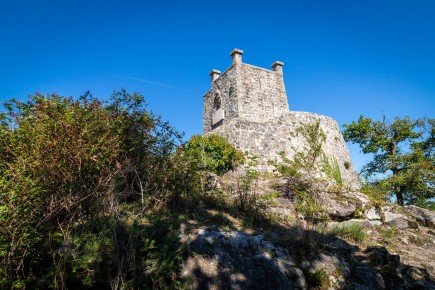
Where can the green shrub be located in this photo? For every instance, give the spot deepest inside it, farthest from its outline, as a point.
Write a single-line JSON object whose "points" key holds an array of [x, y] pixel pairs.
{"points": [[306, 204], [213, 153], [247, 199], [388, 232], [301, 171]]}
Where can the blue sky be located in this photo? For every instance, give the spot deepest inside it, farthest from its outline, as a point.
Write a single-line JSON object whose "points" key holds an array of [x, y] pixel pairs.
{"points": [[342, 58]]}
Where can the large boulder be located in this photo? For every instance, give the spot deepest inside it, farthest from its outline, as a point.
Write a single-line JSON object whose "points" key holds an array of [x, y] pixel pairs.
{"points": [[423, 216], [337, 205], [398, 220]]}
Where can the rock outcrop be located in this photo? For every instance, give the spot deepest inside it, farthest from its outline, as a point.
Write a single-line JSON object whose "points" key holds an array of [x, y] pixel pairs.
{"points": [[293, 253]]}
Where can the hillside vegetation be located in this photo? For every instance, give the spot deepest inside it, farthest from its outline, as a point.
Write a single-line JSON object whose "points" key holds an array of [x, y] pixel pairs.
{"points": [[104, 195]]}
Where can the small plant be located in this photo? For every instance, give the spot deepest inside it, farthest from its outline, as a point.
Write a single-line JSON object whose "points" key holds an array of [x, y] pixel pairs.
{"points": [[359, 213], [318, 277], [226, 229], [388, 232], [247, 198], [331, 169], [346, 164], [306, 204], [352, 232], [231, 90]]}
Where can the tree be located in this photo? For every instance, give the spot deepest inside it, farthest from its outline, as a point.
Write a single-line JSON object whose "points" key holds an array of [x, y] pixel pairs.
{"points": [[403, 155]]}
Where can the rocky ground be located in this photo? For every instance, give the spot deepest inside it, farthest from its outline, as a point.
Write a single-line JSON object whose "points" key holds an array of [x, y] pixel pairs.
{"points": [[391, 247]]}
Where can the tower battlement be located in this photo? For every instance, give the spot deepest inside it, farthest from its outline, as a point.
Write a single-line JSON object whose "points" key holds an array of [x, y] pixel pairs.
{"points": [[244, 91]]}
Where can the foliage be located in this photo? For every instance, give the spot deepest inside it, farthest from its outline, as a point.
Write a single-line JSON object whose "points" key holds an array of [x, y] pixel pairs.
{"points": [[247, 199], [377, 196], [213, 153], [331, 169], [77, 179], [403, 155], [307, 205], [306, 160], [388, 232], [300, 171], [353, 232], [318, 277]]}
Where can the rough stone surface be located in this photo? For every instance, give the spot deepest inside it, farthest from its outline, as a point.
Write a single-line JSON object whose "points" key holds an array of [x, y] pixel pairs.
{"points": [[235, 260], [257, 118], [397, 220], [423, 216], [373, 216], [363, 199], [336, 207]]}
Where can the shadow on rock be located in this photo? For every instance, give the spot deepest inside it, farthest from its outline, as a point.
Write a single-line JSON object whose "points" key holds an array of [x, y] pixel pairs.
{"points": [[293, 257]]}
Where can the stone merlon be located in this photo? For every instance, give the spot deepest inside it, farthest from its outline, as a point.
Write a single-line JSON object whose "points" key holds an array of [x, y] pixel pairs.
{"points": [[214, 74], [236, 54], [277, 66]]}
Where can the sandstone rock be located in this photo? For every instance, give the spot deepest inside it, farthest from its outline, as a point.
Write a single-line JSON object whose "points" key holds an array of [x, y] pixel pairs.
{"points": [[283, 212], [373, 216], [423, 216], [368, 278], [334, 266], [235, 172], [397, 220], [361, 197], [336, 209], [212, 181]]}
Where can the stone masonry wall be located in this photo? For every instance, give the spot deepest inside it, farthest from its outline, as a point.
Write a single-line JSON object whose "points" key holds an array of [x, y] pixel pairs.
{"points": [[262, 94], [267, 139], [227, 89]]}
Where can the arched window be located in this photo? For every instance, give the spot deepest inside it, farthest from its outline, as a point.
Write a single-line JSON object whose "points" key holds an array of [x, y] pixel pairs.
{"points": [[217, 102]]}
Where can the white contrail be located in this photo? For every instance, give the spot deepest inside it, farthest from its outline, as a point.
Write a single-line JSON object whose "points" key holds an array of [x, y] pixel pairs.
{"points": [[149, 82]]}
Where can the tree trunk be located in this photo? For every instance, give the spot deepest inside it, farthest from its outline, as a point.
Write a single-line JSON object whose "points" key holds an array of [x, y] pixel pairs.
{"points": [[399, 196]]}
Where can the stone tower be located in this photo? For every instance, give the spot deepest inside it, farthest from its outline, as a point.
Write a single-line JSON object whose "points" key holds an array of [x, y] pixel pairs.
{"points": [[248, 106], [246, 92]]}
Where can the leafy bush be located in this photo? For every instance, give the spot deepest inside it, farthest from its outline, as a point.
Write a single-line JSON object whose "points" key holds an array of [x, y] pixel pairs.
{"points": [[302, 171], [77, 179], [213, 153]]}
